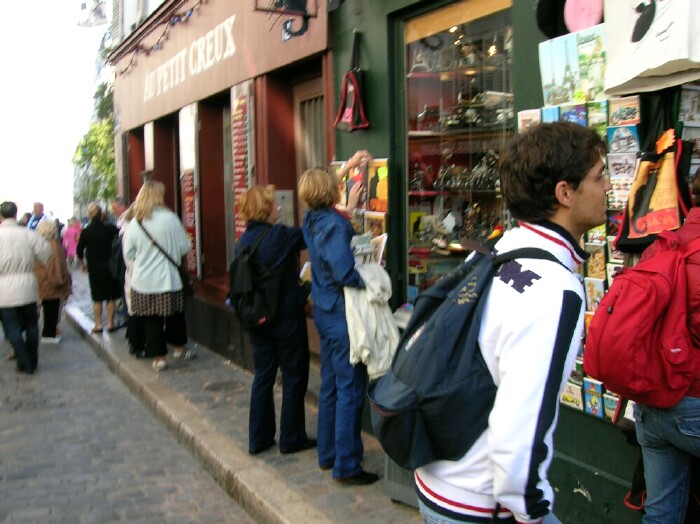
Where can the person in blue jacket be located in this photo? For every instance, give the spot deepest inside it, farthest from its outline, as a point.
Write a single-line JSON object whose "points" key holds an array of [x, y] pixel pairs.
{"points": [[284, 344], [327, 232]]}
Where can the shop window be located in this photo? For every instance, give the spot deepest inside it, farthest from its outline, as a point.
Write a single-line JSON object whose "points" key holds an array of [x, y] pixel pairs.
{"points": [[459, 111]]}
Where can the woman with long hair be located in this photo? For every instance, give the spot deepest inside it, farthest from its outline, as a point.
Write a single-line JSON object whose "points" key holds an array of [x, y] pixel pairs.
{"points": [[54, 281], [284, 343], [327, 232], [155, 240], [95, 248]]}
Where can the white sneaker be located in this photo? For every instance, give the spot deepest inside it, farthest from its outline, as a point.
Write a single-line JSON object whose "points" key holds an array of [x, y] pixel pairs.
{"points": [[187, 354], [159, 365], [50, 340]]}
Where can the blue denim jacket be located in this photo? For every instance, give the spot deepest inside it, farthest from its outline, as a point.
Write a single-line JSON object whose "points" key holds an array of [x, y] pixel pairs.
{"points": [[327, 234], [281, 246]]}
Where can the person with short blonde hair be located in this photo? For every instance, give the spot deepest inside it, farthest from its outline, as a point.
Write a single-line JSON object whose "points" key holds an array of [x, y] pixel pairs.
{"points": [[283, 343], [327, 232], [54, 281], [94, 251]]}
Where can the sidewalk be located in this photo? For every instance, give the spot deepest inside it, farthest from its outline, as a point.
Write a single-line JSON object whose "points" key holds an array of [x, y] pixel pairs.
{"points": [[204, 403]]}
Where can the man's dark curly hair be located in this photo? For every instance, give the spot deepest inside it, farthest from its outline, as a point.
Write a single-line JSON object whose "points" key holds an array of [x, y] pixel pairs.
{"points": [[8, 210], [532, 164]]}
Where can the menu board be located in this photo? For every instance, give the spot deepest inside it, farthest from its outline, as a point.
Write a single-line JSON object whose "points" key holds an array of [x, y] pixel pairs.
{"points": [[189, 215], [240, 142]]}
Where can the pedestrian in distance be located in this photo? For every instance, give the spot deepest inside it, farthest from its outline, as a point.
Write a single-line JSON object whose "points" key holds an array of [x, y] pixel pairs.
{"points": [[94, 250], [54, 282], [670, 438], [327, 232], [552, 182], [283, 344], [20, 250], [70, 241], [36, 216], [154, 241]]}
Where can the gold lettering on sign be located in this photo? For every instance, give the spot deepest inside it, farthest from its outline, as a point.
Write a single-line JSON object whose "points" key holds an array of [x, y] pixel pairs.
{"points": [[205, 52]]}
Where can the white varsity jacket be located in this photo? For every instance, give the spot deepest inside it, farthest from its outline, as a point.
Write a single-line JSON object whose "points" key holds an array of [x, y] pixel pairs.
{"points": [[530, 335]]}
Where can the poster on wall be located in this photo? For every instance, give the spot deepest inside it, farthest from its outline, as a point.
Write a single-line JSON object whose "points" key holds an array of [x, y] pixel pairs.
{"points": [[242, 145], [189, 185]]}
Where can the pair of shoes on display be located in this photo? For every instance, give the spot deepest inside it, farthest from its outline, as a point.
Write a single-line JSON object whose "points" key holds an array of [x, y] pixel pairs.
{"points": [[187, 354], [256, 451], [361, 479], [159, 365], [51, 340], [309, 443]]}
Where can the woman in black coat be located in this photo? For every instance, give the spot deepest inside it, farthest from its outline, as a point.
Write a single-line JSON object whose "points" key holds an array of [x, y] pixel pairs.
{"points": [[95, 248]]}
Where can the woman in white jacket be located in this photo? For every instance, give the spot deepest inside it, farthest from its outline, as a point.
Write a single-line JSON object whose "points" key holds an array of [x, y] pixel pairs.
{"points": [[156, 287]]}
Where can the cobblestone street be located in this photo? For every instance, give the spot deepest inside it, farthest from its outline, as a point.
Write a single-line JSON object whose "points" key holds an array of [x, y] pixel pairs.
{"points": [[76, 446]]}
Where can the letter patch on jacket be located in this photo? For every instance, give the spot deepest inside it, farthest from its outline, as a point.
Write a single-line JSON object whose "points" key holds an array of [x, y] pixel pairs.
{"points": [[512, 273]]}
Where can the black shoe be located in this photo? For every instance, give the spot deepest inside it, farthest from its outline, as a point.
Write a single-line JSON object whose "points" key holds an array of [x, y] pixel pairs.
{"points": [[361, 479], [27, 371], [256, 451], [308, 444]]}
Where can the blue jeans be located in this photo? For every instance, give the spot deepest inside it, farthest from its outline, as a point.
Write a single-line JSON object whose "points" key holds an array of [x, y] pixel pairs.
{"points": [[285, 346], [341, 398], [669, 439], [21, 326]]}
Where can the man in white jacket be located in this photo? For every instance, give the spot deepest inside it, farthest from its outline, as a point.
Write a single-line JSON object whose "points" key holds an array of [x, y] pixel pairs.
{"points": [[553, 183], [20, 249]]}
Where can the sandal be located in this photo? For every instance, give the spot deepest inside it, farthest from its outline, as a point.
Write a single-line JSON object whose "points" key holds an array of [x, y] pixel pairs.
{"points": [[97, 330]]}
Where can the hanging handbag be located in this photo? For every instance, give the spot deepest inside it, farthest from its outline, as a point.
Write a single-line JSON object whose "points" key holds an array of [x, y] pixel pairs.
{"points": [[351, 113], [651, 45], [185, 276], [659, 198]]}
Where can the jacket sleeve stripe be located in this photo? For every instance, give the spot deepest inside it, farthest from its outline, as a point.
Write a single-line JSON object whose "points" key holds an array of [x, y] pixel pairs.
{"points": [[570, 312]]}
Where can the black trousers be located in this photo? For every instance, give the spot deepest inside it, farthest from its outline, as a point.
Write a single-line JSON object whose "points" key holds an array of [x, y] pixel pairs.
{"points": [[50, 307], [159, 331]]}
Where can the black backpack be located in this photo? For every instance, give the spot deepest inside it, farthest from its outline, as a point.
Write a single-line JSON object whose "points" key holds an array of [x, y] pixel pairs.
{"points": [[255, 291], [117, 267], [434, 402]]}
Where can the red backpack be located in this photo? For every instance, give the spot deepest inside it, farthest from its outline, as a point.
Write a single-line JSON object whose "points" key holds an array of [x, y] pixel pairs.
{"points": [[638, 342]]}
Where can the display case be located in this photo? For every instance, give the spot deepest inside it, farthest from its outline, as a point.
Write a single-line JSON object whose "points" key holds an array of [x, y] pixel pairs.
{"points": [[459, 110]]}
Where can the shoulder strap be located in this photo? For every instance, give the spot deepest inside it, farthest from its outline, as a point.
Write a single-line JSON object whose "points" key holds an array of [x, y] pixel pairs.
{"points": [[258, 240], [157, 245], [527, 252]]}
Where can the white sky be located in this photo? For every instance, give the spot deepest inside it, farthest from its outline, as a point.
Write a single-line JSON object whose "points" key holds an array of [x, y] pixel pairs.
{"points": [[48, 81]]}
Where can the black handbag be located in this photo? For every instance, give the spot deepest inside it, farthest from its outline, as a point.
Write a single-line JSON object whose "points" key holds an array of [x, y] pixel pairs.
{"points": [[185, 276]]}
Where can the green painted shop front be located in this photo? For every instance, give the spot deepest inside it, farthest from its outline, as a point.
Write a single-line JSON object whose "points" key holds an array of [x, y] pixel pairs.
{"points": [[593, 464]]}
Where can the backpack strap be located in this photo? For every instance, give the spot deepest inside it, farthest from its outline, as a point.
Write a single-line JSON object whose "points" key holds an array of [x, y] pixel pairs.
{"points": [[254, 245], [527, 252]]}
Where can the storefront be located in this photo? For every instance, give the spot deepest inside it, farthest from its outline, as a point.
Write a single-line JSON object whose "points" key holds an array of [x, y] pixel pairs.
{"points": [[212, 97], [444, 82]]}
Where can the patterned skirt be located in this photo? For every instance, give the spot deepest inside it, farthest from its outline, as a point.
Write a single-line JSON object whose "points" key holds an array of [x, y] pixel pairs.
{"points": [[157, 304]]}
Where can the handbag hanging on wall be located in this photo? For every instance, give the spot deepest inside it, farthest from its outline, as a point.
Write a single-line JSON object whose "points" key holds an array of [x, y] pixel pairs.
{"points": [[659, 198], [351, 113]]}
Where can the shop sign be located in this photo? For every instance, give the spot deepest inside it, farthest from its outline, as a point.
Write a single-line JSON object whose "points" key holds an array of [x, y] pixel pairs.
{"points": [[206, 51]]}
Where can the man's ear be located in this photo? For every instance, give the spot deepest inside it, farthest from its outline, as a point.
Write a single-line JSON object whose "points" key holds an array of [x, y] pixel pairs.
{"points": [[564, 193]]}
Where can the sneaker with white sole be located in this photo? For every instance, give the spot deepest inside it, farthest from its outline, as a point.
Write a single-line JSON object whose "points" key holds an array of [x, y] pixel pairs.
{"points": [[159, 365], [187, 354]]}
